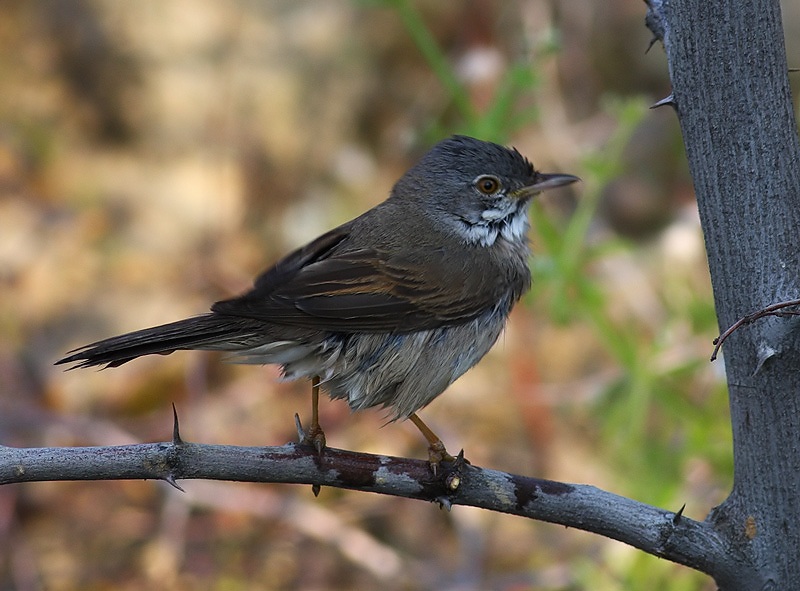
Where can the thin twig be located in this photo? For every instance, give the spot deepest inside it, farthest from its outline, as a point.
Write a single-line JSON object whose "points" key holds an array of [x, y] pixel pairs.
{"points": [[772, 310]]}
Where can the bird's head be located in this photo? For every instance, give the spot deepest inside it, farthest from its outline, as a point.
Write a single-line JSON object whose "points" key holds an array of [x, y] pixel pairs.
{"points": [[478, 189]]}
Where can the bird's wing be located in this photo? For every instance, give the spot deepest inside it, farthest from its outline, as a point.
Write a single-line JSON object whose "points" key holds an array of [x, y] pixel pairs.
{"points": [[373, 290]]}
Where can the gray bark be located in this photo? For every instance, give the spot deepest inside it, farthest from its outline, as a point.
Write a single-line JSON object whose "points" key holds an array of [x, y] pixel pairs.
{"points": [[659, 532], [731, 92]]}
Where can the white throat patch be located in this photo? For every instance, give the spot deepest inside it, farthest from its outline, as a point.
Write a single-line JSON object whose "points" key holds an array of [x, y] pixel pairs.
{"points": [[510, 223]]}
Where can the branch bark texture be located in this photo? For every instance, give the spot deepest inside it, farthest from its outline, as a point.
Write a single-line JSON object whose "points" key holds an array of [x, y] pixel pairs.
{"points": [[656, 531], [731, 92]]}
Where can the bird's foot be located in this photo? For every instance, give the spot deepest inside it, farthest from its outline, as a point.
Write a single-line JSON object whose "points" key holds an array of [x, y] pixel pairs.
{"points": [[314, 436], [438, 454]]}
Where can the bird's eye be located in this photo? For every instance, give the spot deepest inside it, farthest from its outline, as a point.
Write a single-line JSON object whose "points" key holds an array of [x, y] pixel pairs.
{"points": [[488, 185]]}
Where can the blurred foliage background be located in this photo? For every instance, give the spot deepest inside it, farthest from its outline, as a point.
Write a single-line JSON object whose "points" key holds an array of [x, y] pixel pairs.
{"points": [[155, 156]]}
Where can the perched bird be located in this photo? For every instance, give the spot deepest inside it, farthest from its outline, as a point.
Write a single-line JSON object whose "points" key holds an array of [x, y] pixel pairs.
{"points": [[390, 308]]}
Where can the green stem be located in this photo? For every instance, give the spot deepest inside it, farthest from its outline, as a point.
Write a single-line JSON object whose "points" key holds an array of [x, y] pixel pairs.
{"points": [[426, 43]]}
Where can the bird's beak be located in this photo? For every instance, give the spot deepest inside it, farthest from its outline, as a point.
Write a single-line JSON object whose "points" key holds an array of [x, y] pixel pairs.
{"points": [[544, 182]]}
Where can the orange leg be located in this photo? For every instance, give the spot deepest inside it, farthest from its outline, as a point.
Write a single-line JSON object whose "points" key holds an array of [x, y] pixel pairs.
{"points": [[436, 450], [315, 436]]}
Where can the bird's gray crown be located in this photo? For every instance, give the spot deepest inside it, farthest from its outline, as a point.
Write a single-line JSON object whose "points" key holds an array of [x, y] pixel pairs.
{"points": [[468, 158]]}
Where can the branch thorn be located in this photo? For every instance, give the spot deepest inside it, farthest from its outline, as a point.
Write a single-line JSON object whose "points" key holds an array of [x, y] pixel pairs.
{"points": [[301, 434], [176, 431], [444, 503], [676, 519], [666, 101], [170, 479]]}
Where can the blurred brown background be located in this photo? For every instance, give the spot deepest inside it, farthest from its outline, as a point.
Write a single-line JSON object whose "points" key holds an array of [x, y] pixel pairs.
{"points": [[155, 156]]}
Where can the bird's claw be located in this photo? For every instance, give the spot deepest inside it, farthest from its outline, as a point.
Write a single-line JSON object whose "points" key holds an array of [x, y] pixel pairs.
{"points": [[314, 437], [437, 454]]}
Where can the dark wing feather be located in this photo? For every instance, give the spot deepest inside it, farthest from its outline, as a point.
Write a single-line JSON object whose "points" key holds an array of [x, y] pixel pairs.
{"points": [[328, 287]]}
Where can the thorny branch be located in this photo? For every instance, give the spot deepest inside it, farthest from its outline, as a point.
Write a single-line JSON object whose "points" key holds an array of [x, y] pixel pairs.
{"points": [[666, 534]]}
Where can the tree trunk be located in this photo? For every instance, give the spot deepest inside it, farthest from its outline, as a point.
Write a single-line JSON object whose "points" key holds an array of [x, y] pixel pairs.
{"points": [[731, 91]]}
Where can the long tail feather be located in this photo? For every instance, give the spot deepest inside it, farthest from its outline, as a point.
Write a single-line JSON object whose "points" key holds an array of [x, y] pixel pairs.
{"points": [[209, 331]]}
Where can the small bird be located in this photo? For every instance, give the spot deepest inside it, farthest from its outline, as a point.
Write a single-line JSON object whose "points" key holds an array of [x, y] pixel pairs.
{"points": [[390, 308]]}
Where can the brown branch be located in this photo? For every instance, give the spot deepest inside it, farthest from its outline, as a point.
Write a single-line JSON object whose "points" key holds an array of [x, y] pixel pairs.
{"points": [[778, 309]]}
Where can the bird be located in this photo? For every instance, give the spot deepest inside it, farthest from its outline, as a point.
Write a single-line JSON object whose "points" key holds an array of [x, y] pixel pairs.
{"points": [[386, 310]]}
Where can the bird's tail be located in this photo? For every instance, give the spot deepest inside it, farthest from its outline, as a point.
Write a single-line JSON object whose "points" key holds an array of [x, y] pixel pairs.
{"points": [[209, 331]]}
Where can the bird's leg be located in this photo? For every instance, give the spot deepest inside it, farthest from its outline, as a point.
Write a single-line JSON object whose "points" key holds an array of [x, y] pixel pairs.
{"points": [[315, 436], [436, 450]]}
